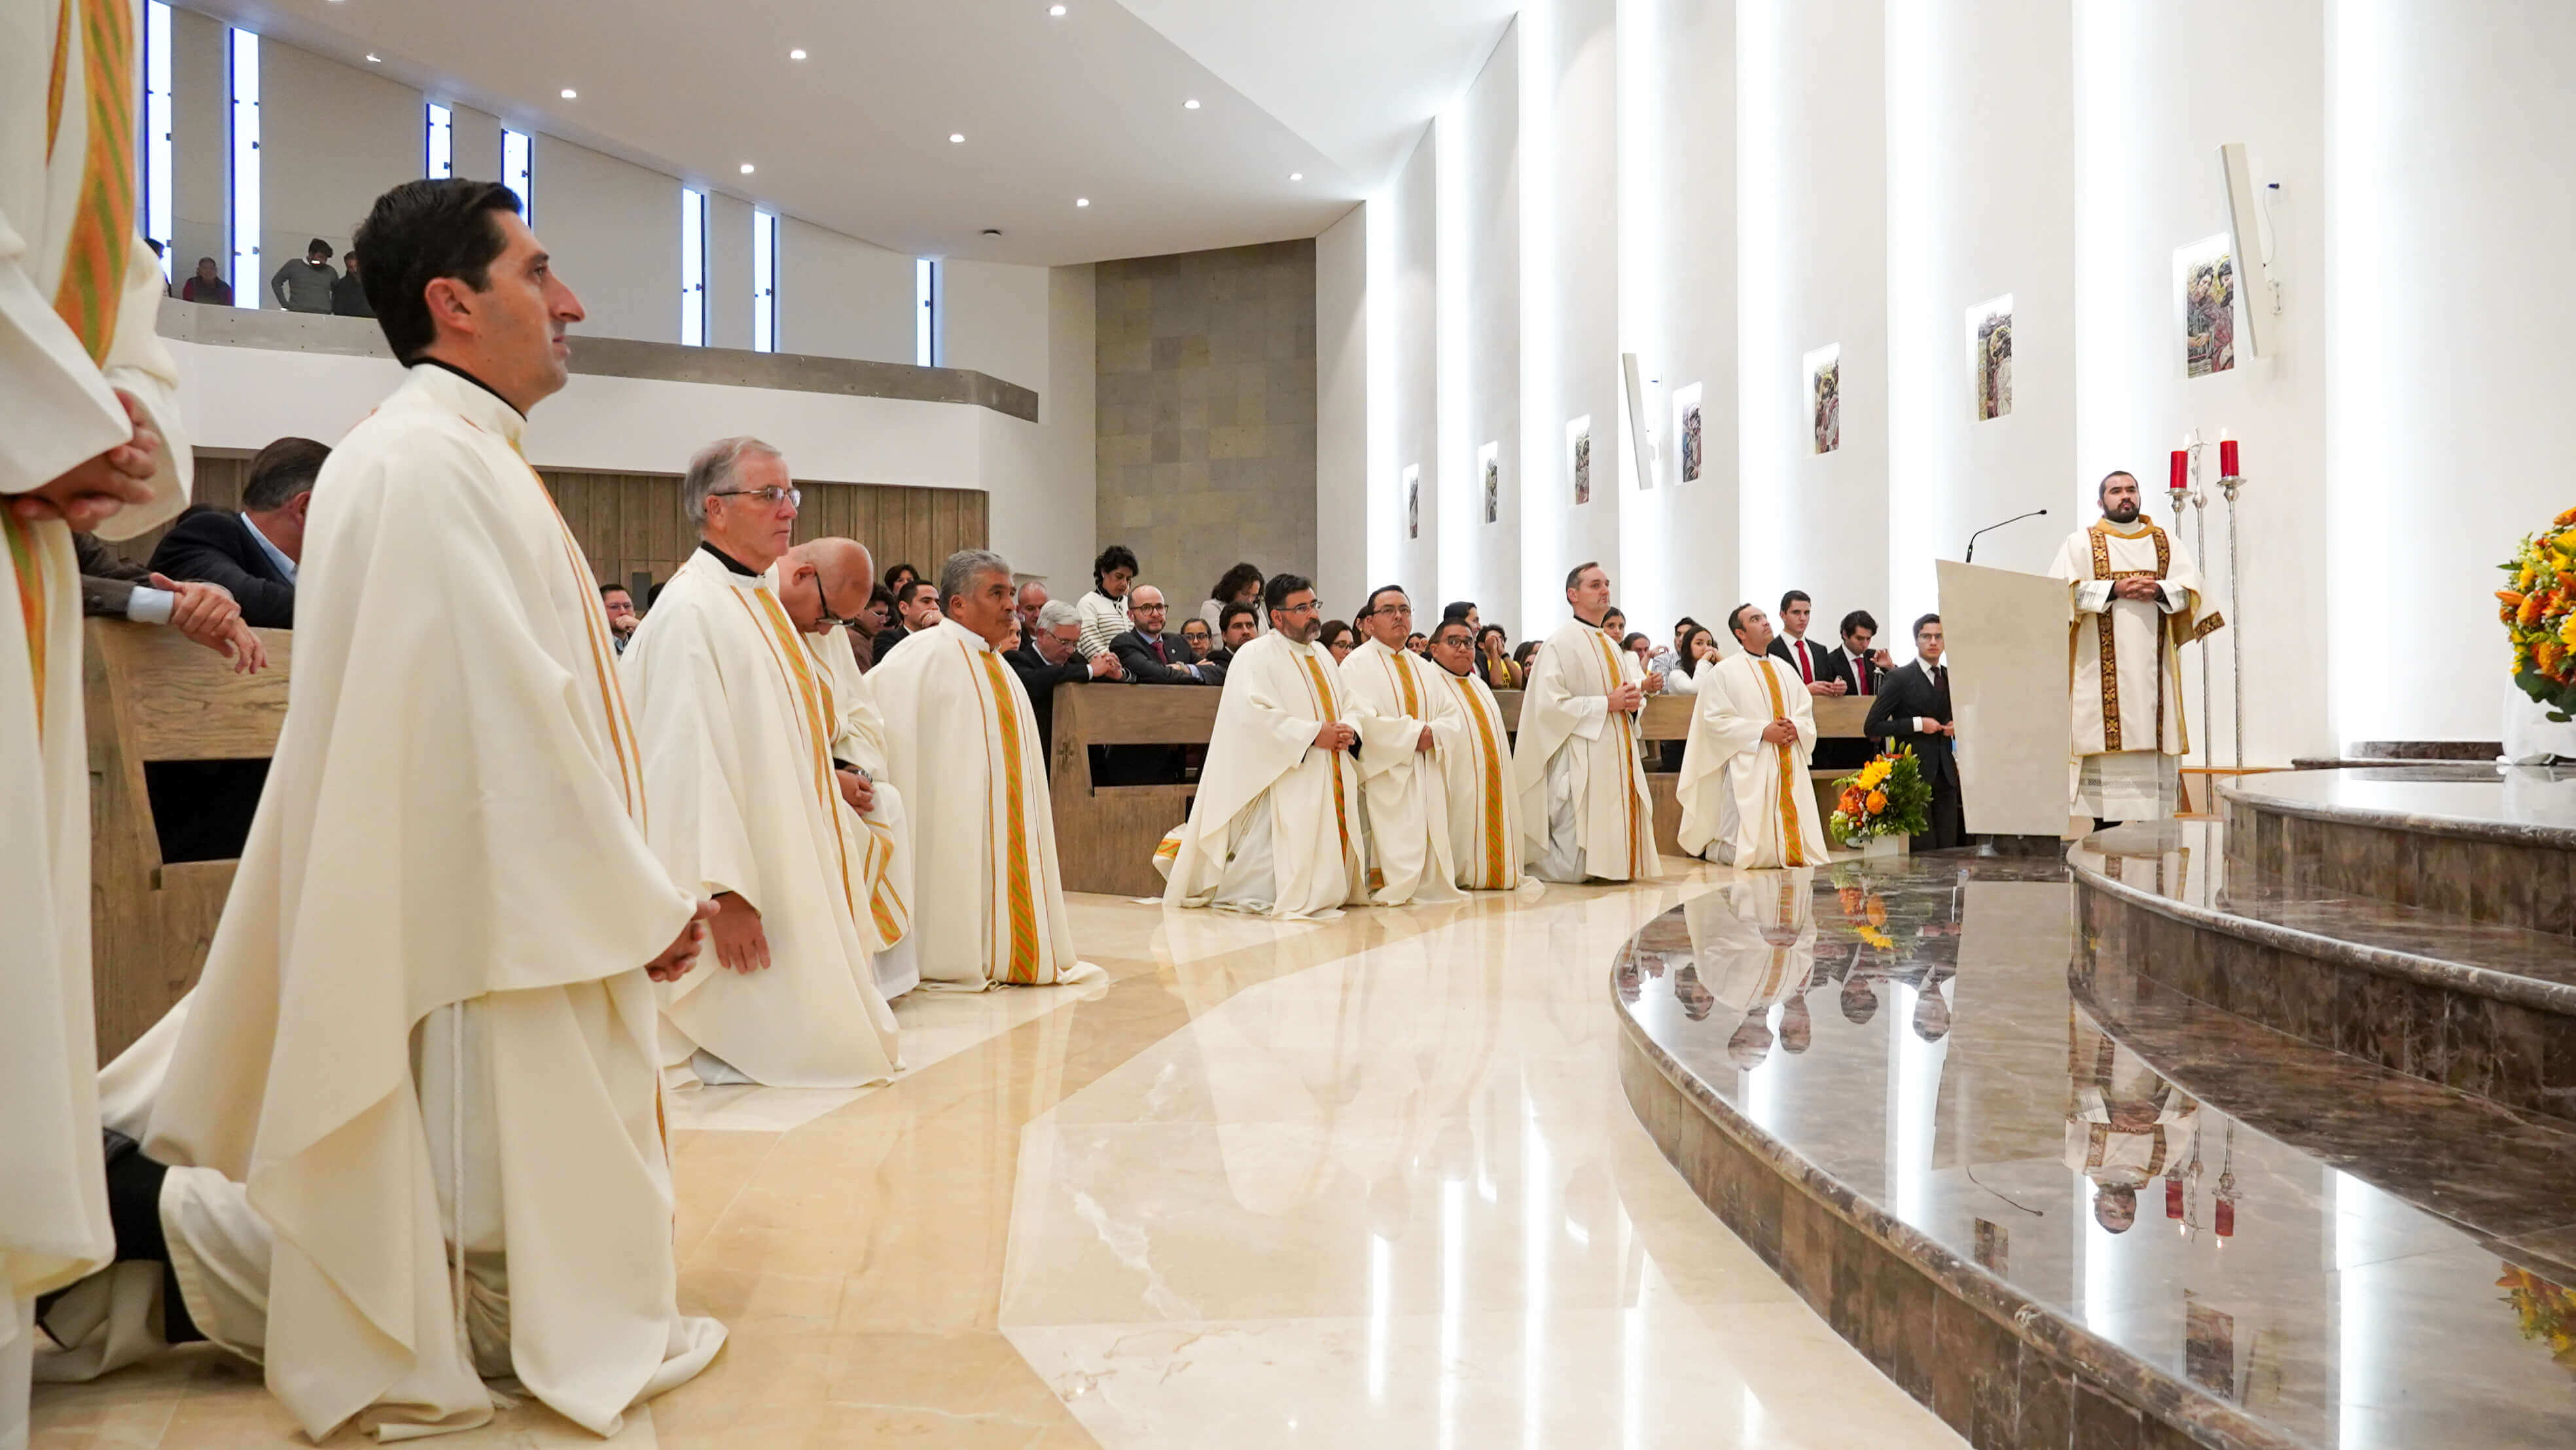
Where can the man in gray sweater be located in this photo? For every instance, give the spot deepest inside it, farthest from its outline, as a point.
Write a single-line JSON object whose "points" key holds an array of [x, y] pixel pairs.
{"points": [[304, 283]]}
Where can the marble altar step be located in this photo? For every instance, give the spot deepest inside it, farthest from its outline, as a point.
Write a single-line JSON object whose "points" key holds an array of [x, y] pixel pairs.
{"points": [[2476, 1005], [2473, 840]]}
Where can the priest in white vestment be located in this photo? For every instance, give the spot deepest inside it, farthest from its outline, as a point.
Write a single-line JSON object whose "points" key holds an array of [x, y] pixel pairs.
{"points": [[808, 579], [2126, 1125], [736, 722], [1744, 791], [962, 746], [1578, 764], [2137, 601], [1275, 827], [1476, 765], [427, 1018], [1401, 713], [88, 427]]}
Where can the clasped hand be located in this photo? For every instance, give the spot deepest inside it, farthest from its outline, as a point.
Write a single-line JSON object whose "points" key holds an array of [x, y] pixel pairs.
{"points": [[1336, 736], [2145, 591], [1627, 699], [92, 492], [682, 953], [1780, 732]]}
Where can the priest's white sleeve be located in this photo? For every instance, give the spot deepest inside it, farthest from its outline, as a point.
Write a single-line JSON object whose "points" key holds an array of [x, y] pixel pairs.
{"points": [[691, 761], [63, 409]]}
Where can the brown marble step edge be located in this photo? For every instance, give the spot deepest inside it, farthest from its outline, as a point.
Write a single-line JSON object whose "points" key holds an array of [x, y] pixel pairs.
{"points": [[2163, 1411], [2512, 1162], [2250, 797], [2383, 750], [2465, 978]]}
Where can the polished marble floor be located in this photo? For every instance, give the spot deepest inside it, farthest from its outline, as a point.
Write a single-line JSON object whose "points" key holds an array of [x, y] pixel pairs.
{"points": [[2355, 1257], [1361, 1182]]}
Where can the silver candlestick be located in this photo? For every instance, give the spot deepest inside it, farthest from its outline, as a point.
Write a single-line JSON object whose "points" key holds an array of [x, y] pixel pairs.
{"points": [[2194, 497], [2227, 486]]}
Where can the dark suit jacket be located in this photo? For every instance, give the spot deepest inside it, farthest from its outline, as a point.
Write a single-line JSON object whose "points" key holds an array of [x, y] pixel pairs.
{"points": [[1040, 679], [1136, 656], [1815, 652], [888, 638], [1838, 665], [106, 580], [1903, 695], [217, 547]]}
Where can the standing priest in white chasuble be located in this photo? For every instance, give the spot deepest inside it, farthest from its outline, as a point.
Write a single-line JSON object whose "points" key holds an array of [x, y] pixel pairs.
{"points": [[1744, 791], [1476, 765], [736, 719], [1275, 827], [2137, 602], [962, 744], [88, 427], [808, 580], [1580, 769], [422, 1052], [1401, 713]]}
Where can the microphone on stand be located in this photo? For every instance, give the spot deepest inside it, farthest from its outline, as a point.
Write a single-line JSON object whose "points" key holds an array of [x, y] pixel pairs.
{"points": [[1990, 528]]}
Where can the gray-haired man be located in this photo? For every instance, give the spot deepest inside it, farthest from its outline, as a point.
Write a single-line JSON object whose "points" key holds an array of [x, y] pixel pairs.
{"points": [[1049, 656]]}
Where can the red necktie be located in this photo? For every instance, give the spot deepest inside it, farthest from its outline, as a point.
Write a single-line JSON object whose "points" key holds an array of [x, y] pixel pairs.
{"points": [[1806, 671]]}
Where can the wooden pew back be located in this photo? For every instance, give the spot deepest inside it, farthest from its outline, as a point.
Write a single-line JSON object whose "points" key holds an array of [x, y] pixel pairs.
{"points": [[150, 695]]}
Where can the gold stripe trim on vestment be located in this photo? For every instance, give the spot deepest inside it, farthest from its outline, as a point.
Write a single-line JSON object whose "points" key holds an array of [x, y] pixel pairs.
{"points": [[1026, 964], [101, 243], [1490, 776], [1627, 758], [27, 565], [1792, 848], [1327, 711]]}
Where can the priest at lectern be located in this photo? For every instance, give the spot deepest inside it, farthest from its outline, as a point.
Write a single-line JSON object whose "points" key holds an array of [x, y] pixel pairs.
{"points": [[2137, 599]]}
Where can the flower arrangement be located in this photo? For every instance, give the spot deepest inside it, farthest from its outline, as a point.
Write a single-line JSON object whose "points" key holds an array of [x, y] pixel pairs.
{"points": [[2539, 612], [2547, 1312], [1887, 797]]}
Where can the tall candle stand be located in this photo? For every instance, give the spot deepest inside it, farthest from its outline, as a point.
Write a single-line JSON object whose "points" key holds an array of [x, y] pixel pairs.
{"points": [[2195, 498], [2227, 486]]}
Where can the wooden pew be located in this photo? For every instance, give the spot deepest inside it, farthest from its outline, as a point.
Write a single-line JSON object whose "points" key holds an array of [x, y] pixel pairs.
{"points": [[150, 695], [1105, 835]]}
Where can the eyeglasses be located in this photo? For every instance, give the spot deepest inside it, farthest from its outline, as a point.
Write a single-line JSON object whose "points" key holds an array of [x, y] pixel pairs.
{"points": [[831, 617], [1309, 607], [770, 496]]}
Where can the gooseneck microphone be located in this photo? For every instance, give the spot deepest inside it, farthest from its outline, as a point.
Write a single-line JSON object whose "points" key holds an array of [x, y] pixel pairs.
{"points": [[1990, 528]]}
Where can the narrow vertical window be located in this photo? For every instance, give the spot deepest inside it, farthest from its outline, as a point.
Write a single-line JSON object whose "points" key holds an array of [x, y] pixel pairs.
{"points": [[156, 204], [693, 267], [519, 171], [442, 144], [925, 322], [250, 282], [764, 282]]}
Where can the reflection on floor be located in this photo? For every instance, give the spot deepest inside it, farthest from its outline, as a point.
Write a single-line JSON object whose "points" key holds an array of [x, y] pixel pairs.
{"points": [[2354, 1257], [1368, 1181]]}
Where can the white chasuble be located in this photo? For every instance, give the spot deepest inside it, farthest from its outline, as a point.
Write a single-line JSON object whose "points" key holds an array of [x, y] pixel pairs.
{"points": [[860, 740], [424, 1017], [962, 745], [78, 299], [1484, 807], [1390, 697], [1753, 942], [1744, 799], [736, 720], [2125, 1124], [2125, 686], [1275, 828], [1580, 771]]}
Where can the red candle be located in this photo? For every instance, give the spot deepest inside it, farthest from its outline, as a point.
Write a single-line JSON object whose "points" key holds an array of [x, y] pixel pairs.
{"points": [[2227, 457], [2227, 1218], [2173, 1198], [2181, 471]]}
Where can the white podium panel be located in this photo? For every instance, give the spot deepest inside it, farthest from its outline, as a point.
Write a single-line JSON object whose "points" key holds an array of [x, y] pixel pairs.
{"points": [[2007, 635]]}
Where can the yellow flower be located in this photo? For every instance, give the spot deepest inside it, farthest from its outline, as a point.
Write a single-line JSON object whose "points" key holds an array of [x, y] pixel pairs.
{"points": [[2567, 632], [1878, 939]]}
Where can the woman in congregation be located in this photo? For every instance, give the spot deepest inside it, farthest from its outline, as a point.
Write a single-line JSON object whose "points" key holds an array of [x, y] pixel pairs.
{"points": [[1494, 660], [1340, 638], [1239, 585]]}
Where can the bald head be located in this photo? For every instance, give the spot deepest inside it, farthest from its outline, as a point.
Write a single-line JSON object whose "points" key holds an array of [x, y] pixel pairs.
{"points": [[823, 582]]}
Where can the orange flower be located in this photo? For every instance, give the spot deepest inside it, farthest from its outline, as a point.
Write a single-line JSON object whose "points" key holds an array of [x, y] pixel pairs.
{"points": [[2510, 596], [2563, 520], [1877, 911], [2546, 655], [2532, 608], [1877, 801]]}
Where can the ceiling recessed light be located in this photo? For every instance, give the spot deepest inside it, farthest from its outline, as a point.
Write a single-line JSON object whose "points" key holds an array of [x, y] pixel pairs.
{"points": [[374, 59], [1296, 176], [992, 231], [1055, 10], [746, 168], [1189, 105], [1082, 201], [570, 94], [954, 137]]}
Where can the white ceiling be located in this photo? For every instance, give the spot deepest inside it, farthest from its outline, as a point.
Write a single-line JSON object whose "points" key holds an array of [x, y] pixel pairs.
{"points": [[855, 137]]}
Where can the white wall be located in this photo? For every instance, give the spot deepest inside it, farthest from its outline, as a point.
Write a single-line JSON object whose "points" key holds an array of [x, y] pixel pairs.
{"points": [[200, 163], [840, 297], [1487, 249], [473, 143], [1412, 553], [1044, 475], [997, 322], [728, 271], [1342, 493], [331, 140], [614, 230]]}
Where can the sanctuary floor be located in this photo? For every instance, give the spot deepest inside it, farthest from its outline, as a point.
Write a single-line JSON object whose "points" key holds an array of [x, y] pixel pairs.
{"points": [[1363, 1182]]}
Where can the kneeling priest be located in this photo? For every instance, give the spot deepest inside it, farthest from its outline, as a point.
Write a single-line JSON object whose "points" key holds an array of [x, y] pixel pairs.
{"points": [[1744, 791]]}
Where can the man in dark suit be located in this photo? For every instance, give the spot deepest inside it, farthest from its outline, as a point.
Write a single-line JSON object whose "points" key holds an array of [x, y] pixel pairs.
{"points": [[1913, 709], [252, 553], [1236, 624], [1858, 669], [1151, 657], [1792, 646], [916, 607], [1047, 658]]}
